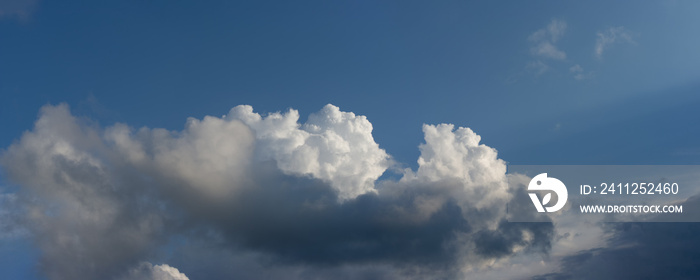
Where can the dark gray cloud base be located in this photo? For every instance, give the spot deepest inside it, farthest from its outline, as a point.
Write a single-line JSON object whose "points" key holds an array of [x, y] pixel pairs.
{"points": [[652, 250]]}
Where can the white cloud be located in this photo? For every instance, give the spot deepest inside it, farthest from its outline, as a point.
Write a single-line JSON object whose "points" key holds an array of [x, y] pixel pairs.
{"points": [[543, 41], [613, 35], [579, 73], [211, 155], [548, 50], [148, 271], [457, 154], [576, 69], [334, 146]]}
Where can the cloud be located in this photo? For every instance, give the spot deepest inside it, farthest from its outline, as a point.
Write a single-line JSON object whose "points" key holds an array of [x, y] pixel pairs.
{"points": [[458, 154], [301, 197], [607, 38], [538, 67], [543, 41], [88, 222], [334, 146], [548, 50], [148, 271], [579, 74], [17, 8], [670, 249], [576, 69], [9, 226]]}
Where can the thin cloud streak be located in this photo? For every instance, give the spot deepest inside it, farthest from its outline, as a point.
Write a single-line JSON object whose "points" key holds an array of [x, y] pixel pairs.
{"points": [[609, 37]]}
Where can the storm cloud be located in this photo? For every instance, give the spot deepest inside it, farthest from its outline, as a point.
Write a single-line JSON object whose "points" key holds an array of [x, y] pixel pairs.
{"points": [[304, 200], [653, 250]]}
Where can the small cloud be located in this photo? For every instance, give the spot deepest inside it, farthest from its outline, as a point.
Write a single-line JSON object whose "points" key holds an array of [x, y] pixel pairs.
{"points": [[556, 29], [607, 38], [548, 50], [537, 67], [543, 41], [576, 69], [579, 74], [148, 271], [20, 9]]}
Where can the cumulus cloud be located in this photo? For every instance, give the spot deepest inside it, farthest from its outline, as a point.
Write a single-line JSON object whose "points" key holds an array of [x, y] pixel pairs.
{"points": [[458, 154], [100, 202], [148, 271], [544, 41], [88, 223], [334, 146], [609, 37]]}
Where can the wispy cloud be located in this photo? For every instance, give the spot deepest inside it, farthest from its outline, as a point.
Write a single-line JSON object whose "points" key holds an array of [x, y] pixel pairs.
{"points": [[630, 244], [9, 225], [579, 73], [613, 35], [16, 8], [544, 40], [538, 67]]}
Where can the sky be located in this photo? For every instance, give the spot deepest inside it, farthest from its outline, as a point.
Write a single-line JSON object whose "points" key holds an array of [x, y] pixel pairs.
{"points": [[366, 139]]}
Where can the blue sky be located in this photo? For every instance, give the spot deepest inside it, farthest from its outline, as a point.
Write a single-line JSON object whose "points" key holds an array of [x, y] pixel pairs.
{"points": [[401, 64], [546, 82]]}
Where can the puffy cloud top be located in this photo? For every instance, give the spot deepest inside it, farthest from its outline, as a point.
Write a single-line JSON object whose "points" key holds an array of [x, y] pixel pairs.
{"points": [[457, 154], [148, 271], [334, 146]]}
